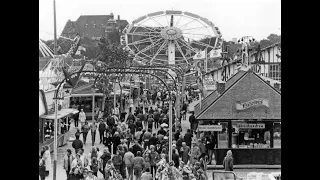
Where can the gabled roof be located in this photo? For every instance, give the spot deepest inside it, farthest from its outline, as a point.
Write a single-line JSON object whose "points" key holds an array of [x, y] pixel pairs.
{"points": [[243, 86], [207, 101]]}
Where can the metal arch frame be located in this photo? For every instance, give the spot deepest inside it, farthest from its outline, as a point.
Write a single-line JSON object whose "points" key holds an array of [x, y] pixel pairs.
{"points": [[161, 68], [142, 70]]}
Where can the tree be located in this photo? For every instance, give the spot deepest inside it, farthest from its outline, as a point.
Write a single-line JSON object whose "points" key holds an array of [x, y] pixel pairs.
{"points": [[274, 38], [110, 55]]}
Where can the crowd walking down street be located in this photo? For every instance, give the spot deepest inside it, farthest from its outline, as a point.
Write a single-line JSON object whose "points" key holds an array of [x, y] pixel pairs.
{"points": [[133, 148]]}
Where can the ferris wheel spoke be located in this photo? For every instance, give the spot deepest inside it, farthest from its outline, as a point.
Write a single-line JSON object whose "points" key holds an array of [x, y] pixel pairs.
{"points": [[158, 51], [194, 28], [150, 46], [195, 34], [142, 41], [154, 20], [178, 20], [149, 34], [187, 23], [179, 48], [148, 28], [187, 45]]}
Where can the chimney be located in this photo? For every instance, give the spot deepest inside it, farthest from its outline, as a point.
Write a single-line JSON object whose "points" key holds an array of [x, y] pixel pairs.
{"points": [[118, 17], [221, 86]]}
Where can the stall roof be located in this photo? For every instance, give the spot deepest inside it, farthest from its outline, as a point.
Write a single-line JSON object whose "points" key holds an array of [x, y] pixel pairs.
{"points": [[244, 86], [86, 95], [61, 113]]}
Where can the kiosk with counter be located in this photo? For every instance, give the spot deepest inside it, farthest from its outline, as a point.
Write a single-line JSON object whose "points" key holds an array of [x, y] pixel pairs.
{"points": [[245, 115]]}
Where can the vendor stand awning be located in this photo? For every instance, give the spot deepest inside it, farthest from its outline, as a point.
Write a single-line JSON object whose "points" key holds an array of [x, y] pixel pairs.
{"points": [[61, 113], [246, 96], [86, 95]]}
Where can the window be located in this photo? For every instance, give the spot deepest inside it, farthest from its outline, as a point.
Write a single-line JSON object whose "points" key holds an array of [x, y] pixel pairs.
{"points": [[277, 135], [247, 134]]}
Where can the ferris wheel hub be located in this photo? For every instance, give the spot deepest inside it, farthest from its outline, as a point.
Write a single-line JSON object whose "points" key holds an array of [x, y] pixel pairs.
{"points": [[171, 33]]}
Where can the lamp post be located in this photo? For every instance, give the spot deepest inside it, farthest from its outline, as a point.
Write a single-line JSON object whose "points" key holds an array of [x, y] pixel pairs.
{"points": [[93, 91], [55, 100]]}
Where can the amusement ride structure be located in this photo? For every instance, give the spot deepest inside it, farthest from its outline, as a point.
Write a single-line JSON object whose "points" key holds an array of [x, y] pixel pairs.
{"points": [[52, 72], [170, 37]]}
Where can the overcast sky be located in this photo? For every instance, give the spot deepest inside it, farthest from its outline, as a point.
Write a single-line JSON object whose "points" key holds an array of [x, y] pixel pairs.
{"points": [[235, 18]]}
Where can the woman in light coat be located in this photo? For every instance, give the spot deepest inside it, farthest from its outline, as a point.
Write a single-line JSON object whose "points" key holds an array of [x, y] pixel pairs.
{"points": [[47, 159], [82, 117]]}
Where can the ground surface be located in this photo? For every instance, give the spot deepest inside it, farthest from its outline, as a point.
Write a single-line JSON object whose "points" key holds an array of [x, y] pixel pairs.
{"points": [[61, 174]]}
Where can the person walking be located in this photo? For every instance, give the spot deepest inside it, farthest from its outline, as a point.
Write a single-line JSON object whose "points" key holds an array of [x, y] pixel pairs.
{"points": [[128, 160], [138, 165], [117, 160], [76, 119], [108, 140], [67, 161], [156, 116], [192, 120], [130, 105], [47, 159], [102, 127], [228, 161], [211, 143], [154, 159], [150, 121], [82, 117], [94, 166], [77, 143], [146, 138], [42, 168], [85, 129], [93, 128], [104, 159], [188, 138], [185, 152]]}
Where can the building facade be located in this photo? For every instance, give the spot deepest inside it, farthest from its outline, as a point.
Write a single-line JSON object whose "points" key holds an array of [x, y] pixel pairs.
{"points": [[93, 26]]}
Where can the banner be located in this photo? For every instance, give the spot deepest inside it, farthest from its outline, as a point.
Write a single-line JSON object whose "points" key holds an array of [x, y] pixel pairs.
{"points": [[252, 103], [251, 126], [210, 127], [200, 55], [215, 53]]}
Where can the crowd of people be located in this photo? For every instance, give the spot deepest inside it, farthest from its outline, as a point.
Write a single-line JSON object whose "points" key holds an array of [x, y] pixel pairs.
{"points": [[138, 146]]}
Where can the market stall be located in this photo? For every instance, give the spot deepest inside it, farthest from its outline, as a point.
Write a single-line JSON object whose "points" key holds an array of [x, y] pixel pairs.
{"points": [[246, 112], [48, 120]]}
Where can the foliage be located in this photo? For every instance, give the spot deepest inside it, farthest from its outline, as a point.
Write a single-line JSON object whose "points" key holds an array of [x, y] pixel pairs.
{"points": [[271, 39]]}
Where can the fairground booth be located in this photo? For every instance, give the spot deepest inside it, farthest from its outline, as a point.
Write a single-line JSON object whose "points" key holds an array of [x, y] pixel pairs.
{"points": [[46, 121], [245, 115]]}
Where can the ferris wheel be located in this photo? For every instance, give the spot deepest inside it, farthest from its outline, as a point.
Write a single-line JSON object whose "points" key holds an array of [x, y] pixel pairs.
{"points": [[170, 37]]}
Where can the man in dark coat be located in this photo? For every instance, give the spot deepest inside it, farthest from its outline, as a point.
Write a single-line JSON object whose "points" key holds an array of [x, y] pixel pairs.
{"points": [[153, 140], [192, 120], [188, 138], [175, 159], [77, 144], [136, 147]]}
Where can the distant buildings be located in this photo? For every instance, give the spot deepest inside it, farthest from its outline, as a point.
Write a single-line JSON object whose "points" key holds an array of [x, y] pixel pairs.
{"points": [[94, 26]]}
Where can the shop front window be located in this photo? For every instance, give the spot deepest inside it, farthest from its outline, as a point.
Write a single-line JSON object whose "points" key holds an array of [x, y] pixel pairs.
{"points": [[277, 135], [223, 137], [250, 135]]}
